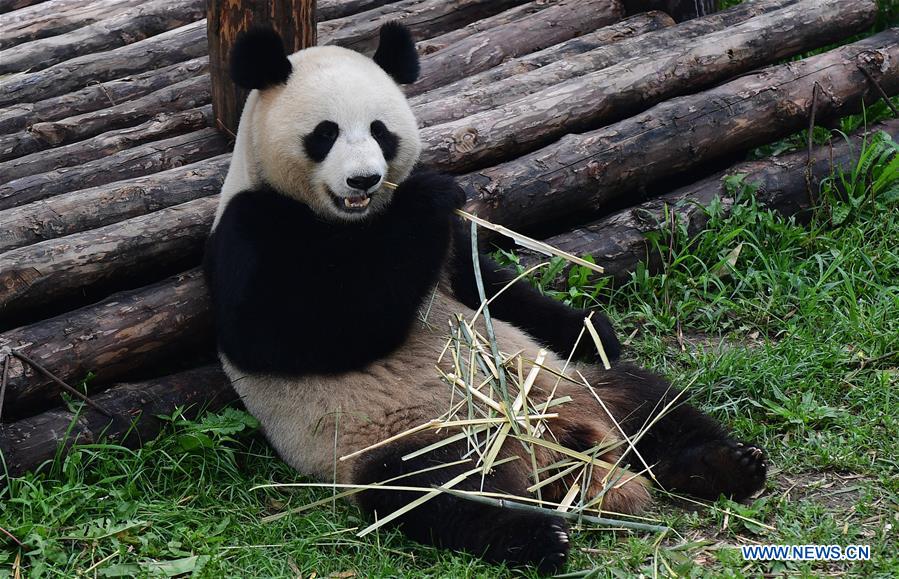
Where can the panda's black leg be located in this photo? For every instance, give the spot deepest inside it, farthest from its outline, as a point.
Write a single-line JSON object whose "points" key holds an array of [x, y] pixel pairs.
{"points": [[549, 321], [689, 451], [498, 535]]}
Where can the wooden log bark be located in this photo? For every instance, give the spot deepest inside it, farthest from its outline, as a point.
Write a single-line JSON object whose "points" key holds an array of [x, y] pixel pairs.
{"points": [[483, 50], [686, 51], [619, 241], [138, 23], [425, 18], [584, 172], [125, 332], [609, 45], [142, 160], [34, 13], [55, 17], [98, 96], [331, 9], [92, 208], [161, 126], [187, 94], [619, 91], [432, 45], [30, 442], [293, 19], [10, 5], [157, 51], [61, 268]]}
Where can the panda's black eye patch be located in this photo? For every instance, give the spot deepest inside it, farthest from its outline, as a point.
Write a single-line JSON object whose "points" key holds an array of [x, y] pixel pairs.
{"points": [[318, 143], [388, 141]]}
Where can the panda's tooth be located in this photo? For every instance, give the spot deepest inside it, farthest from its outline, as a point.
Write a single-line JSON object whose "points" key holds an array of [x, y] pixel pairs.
{"points": [[354, 204]]}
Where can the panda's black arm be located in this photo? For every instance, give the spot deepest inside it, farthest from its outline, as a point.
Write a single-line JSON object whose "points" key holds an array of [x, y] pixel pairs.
{"points": [[546, 319]]}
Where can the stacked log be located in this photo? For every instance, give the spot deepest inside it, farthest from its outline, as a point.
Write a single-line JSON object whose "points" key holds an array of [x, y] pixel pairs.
{"points": [[677, 48], [58, 269], [54, 17], [483, 50], [425, 18], [787, 184], [148, 158], [30, 442], [126, 332], [157, 51], [584, 172], [147, 19], [96, 207], [517, 13], [187, 94], [488, 132], [612, 41], [161, 126], [97, 96]]}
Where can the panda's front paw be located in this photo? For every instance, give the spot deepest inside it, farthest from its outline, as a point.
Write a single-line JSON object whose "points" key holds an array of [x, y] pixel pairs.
{"points": [[428, 189], [586, 349]]}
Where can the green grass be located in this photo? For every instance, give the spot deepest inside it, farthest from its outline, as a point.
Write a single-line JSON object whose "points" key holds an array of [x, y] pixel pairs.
{"points": [[793, 339]]}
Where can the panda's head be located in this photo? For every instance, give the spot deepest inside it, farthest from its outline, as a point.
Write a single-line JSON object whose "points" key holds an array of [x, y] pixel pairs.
{"points": [[327, 126]]}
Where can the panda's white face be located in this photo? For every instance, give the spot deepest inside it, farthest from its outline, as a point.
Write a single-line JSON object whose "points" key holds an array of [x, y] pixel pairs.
{"points": [[333, 133]]}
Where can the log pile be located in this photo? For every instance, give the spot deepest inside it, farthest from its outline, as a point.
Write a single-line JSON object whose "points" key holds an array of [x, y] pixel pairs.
{"points": [[552, 113]]}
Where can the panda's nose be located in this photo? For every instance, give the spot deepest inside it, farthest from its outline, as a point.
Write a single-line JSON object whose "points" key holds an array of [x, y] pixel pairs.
{"points": [[363, 182]]}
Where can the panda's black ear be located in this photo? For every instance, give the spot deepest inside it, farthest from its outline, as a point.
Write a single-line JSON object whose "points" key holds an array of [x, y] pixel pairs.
{"points": [[396, 53], [258, 59]]}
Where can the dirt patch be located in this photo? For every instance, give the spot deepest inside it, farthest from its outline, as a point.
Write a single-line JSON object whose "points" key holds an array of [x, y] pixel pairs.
{"points": [[838, 492]]}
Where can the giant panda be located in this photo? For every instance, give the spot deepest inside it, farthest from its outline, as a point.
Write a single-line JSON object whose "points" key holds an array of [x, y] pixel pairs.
{"points": [[331, 295]]}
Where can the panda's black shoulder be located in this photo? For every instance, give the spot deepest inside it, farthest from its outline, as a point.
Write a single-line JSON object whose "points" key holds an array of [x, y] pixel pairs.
{"points": [[255, 212]]}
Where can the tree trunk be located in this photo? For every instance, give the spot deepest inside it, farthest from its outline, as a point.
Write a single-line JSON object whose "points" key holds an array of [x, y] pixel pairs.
{"points": [[430, 46], [483, 138], [584, 172], [127, 331], [609, 45], [98, 96], [619, 241], [62, 268], [157, 51], [425, 18], [148, 19], [142, 160], [293, 19], [484, 50], [161, 126], [28, 443], [56, 17], [187, 94], [107, 204]]}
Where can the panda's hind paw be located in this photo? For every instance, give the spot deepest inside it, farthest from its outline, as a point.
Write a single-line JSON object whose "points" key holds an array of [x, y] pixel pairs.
{"points": [[533, 540], [751, 461], [743, 468]]}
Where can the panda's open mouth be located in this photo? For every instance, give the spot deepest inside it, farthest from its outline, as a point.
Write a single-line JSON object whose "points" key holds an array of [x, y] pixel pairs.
{"points": [[352, 204]]}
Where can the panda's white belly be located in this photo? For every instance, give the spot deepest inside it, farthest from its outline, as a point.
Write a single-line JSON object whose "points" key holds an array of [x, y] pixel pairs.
{"points": [[391, 395]]}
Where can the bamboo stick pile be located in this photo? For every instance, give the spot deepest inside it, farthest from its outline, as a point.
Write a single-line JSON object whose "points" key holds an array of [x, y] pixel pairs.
{"points": [[554, 114]]}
